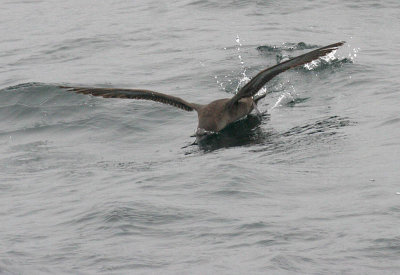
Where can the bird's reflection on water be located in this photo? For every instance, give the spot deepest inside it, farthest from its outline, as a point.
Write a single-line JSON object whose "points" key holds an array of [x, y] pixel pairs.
{"points": [[249, 131], [246, 131]]}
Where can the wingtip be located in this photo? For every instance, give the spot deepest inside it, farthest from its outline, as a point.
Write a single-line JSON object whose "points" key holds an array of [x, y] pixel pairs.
{"points": [[68, 88], [341, 43], [332, 47], [64, 87], [338, 44]]}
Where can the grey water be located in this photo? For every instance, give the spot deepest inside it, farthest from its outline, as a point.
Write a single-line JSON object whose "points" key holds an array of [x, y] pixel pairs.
{"points": [[113, 186]]}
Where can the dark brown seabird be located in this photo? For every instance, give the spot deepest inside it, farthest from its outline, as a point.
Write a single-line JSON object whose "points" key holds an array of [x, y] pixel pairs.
{"points": [[215, 116]]}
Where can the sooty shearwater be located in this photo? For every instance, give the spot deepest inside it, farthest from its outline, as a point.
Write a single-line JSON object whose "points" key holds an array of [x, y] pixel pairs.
{"points": [[215, 116]]}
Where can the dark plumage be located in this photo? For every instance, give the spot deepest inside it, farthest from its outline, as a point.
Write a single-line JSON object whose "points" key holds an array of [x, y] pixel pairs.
{"points": [[215, 116]]}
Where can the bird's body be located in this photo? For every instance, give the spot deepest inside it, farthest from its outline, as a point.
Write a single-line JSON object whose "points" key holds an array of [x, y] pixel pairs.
{"points": [[215, 116]]}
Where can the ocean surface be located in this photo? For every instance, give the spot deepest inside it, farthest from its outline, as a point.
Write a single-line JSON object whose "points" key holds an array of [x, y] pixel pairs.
{"points": [[113, 186]]}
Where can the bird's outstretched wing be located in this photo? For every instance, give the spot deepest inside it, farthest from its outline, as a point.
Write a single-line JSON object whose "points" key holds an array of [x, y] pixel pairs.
{"points": [[257, 82], [134, 94]]}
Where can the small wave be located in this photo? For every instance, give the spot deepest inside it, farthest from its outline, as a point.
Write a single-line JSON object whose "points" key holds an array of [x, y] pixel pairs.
{"points": [[133, 216], [70, 50], [287, 46], [237, 194], [218, 4], [23, 86], [8, 266], [286, 50], [320, 126], [321, 132], [36, 107]]}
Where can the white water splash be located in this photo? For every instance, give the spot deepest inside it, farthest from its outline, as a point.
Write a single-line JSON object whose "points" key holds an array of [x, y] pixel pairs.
{"points": [[243, 79], [353, 55], [289, 95], [238, 49], [238, 40], [315, 63], [284, 99]]}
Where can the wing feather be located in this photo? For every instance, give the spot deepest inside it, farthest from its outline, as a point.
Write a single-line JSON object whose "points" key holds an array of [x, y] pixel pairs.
{"points": [[257, 82], [134, 94]]}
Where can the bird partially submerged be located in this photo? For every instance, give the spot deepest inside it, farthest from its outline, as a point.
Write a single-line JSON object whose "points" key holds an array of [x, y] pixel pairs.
{"points": [[215, 116]]}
